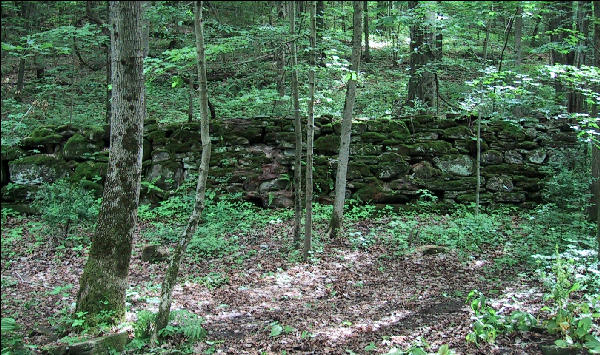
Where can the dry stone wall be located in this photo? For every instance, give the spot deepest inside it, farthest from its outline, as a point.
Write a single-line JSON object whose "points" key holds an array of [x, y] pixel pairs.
{"points": [[391, 160]]}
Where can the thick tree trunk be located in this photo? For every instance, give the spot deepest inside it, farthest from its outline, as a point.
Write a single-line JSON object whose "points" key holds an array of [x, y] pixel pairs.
{"points": [[310, 129], [166, 294], [104, 279], [518, 35], [421, 85], [297, 131], [366, 29], [344, 152]]}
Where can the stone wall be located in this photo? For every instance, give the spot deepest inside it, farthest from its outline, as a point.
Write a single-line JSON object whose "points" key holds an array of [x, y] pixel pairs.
{"points": [[391, 160]]}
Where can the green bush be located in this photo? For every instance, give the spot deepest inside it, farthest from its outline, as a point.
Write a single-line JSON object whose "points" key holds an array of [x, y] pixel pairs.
{"points": [[63, 205]]}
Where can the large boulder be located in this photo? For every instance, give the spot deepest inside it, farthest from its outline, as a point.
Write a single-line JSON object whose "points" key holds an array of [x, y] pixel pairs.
{"points": [[80, 148], [36, 169]]}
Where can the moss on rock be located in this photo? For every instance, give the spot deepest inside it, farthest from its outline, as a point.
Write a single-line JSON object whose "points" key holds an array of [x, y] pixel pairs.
{"points": [[36, 169]]}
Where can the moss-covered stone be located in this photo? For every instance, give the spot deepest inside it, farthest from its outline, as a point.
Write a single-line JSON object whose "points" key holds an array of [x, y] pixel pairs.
{"points": [[89, 170], [424, 170], [378, 192], [80, 148], [500, 183], [449, 184], [328, 144], [390, 165], [36, 169], [508, 131], [455, 164], [529, 145], [359, 148], [373, 137], [434, 148], [457, 132], [18, 193], [513, 169], [491, 157], [44, 139], [358, 170]]}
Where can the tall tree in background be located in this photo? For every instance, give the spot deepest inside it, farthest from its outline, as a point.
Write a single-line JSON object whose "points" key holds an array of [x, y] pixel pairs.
{"points": [[518, 35], [162, 318], [310, 130], [421, 85], [367, 56], [297, 129], [595, 210], [104, 279], [344, 151]]}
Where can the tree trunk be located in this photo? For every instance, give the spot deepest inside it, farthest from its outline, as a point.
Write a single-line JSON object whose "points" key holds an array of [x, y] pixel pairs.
{"points": [[310, 129], [595, 208], [320, 28], [577, 100], [20, 79], [166, 294], [518, 35], [191, 99], [281, 60], [104, 279], [486, 41], [366, 29], [536, 29], [421, 85], [344, 152], [297, 130]]}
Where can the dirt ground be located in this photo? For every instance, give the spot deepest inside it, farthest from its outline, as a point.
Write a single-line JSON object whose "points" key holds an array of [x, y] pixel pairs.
{"points": [[345, 300]]}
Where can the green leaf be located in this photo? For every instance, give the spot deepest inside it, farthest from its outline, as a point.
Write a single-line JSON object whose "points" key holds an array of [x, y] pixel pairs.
{"points": [[276, 330], [561, 343]]}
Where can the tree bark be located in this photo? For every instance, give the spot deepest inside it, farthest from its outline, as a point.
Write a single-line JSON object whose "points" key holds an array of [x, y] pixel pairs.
{"points": [[297, 130], [104, 279], [366, 29], [421, 85], [281, 60], [518, 35], [166, 294], [344, 151], [310, 129], [595, 208], [320, 28]]}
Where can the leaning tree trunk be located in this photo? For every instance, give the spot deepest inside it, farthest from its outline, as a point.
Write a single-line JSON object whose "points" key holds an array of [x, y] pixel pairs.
{"points": [[344, 152], [297, 130], [104, 279], [166, 294], [310, 132], [421, 85]]}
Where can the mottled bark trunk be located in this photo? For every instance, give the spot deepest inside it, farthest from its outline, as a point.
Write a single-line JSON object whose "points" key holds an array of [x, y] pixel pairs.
{"points": [[310, 129], [320, 28], [367, 56], [297, 130], [344, 151], [166, 294], [421, 85], [536, 29], [104, 279]]}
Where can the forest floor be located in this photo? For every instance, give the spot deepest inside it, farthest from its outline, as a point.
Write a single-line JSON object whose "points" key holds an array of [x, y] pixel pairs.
{"points": [[346, 300]]}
